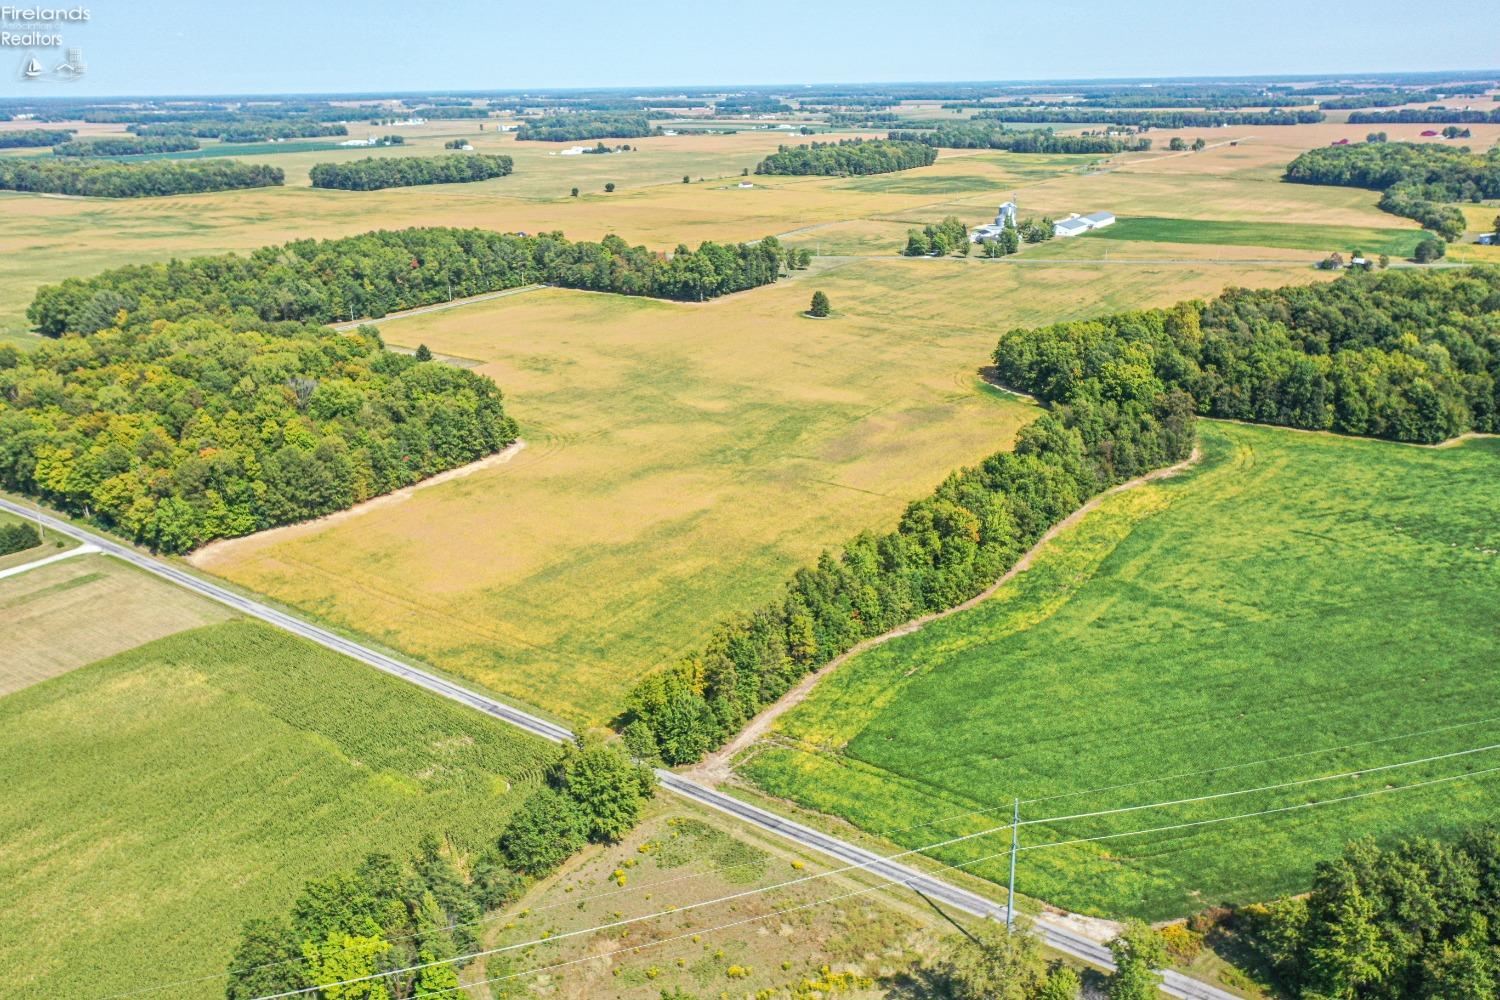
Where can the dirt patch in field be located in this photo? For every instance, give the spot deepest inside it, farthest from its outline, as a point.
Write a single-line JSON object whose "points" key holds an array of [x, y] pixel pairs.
{"points": [[204, 557]]}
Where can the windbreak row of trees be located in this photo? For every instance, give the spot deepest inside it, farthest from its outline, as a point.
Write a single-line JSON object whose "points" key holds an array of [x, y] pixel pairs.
{"points": [[1151, 119], [1415, 178], [426, 910], [1418, 921], [848, 156], [947, 548], [30, 138], [580, 126], [125, 145], [1032, 141], [242, 128], [1425, 116], [177, 433], [377, 172], [148, 179], [376, 273], [1407, 355]]}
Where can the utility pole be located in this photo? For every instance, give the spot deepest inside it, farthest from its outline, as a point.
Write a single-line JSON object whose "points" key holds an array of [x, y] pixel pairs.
{"points": [[1015, 841]]}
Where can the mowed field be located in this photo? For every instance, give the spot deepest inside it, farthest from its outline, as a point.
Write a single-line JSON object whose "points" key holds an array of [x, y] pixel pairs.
{"points": [[682, 460], [156, 800], [84, 608], [1297, 607]]}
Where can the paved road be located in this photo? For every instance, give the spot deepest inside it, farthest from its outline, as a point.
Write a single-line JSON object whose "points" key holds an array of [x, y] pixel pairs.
{"points": [[1058, 937], [321, 636]]}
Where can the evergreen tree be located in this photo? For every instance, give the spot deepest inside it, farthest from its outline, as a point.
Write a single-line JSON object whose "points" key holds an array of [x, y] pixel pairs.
{"points": [[820, 306], [424, 353]]}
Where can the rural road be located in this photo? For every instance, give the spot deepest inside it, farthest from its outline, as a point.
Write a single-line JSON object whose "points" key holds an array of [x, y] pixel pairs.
{"points": [[1059, 938]]}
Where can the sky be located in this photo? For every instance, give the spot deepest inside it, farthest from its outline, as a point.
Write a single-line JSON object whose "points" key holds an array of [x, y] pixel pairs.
{"points": [[156, 47]]}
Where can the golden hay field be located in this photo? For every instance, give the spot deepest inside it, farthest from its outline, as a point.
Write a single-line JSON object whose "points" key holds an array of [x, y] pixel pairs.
{"points": [[682, 460]]}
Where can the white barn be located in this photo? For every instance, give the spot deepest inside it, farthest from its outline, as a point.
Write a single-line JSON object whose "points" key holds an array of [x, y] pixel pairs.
{"points": [[1077, 225]]}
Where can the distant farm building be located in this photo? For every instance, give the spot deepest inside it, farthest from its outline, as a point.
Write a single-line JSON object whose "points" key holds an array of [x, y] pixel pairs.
{"points": [[574, 151], [1077, 225], [1429, 133], [1486, 239], [1005, 217]]}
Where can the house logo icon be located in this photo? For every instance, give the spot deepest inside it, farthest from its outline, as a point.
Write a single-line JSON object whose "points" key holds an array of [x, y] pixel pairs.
{"points": [[70, 68]]}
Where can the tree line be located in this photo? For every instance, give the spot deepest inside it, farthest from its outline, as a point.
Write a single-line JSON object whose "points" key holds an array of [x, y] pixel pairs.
{"points": [[1416, 921], [580, 126], [242, 129], [370, 275], [178, 433], [125, 145], [1425, 116], [1406, 355], [1032, 141], [1150, 119], [389, 914], [946, 548], [848, 156], [18, 537], [147, 179], [30, 138], [1415, 178], [377, 172]]}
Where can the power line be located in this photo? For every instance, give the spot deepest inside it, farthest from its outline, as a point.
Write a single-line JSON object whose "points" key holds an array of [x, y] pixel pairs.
{"points": [[1264, 812], [868, 889], [1192, 774], [448, 927], [935, 846]]}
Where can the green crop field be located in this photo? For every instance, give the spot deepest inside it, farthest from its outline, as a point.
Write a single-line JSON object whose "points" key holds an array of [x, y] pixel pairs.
{"points": [[1292, 236], [1296, 607], [157, 799]]}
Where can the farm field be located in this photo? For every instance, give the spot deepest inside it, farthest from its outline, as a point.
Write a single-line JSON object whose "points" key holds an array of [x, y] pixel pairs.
{"points": [[1326, 239], [1297, 606], [682, 460], [198, 780], [45, 239], [53, 619]]}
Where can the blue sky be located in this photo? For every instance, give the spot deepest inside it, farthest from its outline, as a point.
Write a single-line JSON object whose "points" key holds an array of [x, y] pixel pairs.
{"points": [[261, 46]]}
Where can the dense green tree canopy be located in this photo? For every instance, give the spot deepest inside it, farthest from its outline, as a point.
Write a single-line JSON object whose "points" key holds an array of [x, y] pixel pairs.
{"points": [[376, 273], [1148, 119], [981, 136], [107, 179], [125, 145], [1415, 178], [1409, 355], [1418, 921], [177, 433], [376, 172], [33, 137], [848, 156], [581, 126]]}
